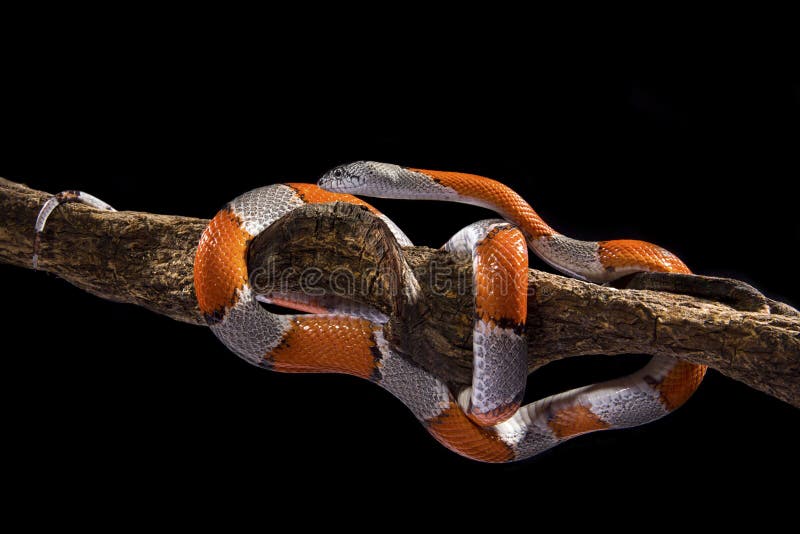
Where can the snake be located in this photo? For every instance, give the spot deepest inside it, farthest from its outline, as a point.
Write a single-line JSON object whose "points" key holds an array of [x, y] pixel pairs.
{"points": [[486, 420]]}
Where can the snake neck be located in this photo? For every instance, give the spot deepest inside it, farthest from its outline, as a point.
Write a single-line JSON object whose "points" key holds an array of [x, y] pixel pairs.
{"points": [[491, 194]]}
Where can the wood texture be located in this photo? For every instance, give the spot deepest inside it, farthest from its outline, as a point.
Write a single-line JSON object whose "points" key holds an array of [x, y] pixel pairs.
{"points": [[146, 259]]}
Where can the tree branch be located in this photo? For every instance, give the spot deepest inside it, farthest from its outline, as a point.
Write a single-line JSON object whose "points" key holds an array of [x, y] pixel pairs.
{"points": [[147, 259], [139, 258]]}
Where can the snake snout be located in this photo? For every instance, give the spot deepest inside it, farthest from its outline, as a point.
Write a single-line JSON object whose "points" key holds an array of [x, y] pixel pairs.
{"points": [[343, 179]]}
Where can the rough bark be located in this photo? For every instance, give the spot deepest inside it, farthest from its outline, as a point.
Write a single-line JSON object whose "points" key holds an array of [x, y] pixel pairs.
{"points": [[146, 259]]}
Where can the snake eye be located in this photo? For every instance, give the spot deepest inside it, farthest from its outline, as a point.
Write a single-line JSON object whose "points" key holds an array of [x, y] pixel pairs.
{"points": [[337, 172]]}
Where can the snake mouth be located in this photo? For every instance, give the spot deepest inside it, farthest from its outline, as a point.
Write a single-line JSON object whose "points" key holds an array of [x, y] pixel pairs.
{"points": [[339, 181], [330, 184]]}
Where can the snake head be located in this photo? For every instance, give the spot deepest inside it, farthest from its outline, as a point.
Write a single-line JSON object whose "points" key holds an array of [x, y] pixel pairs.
{"points": [[365, 178]]}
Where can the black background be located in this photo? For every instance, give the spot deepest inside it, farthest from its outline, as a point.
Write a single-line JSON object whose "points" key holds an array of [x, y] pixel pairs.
{"points": [[112, 395]]}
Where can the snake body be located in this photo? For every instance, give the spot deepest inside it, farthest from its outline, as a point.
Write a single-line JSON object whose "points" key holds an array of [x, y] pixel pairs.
{"points": [[485, 421]]}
